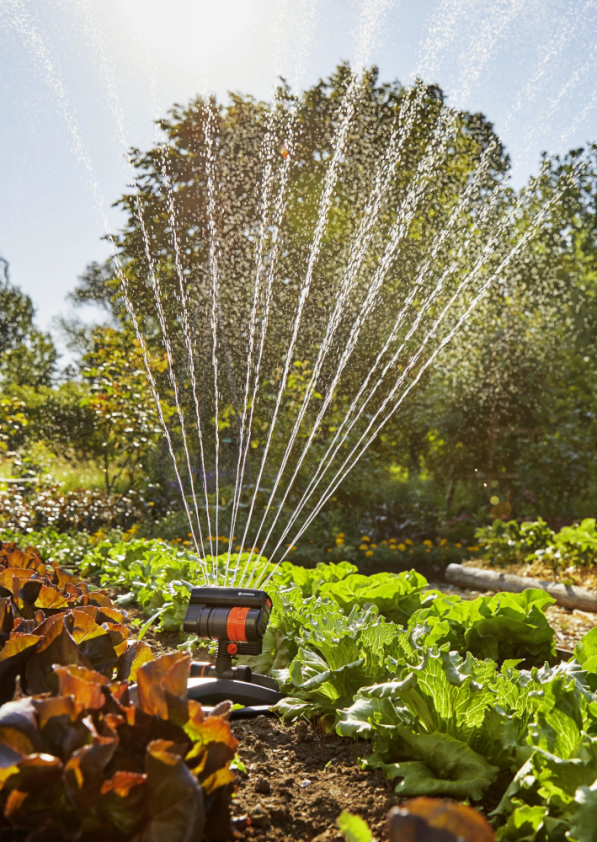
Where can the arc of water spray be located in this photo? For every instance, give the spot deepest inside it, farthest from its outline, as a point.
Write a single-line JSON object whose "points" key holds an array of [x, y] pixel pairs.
{"points": [[186, 331], [349, 461], [279, 214], [306, 9], [340, 438], [215, 297], [371, 15], [322, 467], [368, 305], [324, 206], [190, 355], [382, 182], [565, 33], [362, 239], [183, 297], [279, 208], [185, 323], [338, 441], [170, 358]]}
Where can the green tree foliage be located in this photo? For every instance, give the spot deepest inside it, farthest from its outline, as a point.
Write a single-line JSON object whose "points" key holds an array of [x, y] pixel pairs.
{"points": [[96, 287], [164, 248], [514, 401], [127, 423], [27, 355], [12, 421], [55, 415], [510, 408]]}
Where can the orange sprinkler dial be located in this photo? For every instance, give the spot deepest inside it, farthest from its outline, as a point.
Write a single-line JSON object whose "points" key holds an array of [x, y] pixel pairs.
{"points": [[235, 627]]}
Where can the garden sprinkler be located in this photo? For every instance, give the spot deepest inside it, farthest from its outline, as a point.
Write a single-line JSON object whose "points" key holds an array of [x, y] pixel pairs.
{"points": [[237, 618]]}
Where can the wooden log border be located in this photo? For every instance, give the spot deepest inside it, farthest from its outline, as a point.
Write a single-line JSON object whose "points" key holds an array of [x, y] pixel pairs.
{"points": [[490, 580]]}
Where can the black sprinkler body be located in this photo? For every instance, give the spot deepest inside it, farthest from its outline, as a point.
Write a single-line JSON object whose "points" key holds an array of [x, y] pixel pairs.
{"points": [[237, 618]]}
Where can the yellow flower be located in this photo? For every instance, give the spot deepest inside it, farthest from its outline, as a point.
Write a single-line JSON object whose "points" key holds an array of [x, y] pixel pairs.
{"points": [[365, 538], [428, 543], [340, 535], [339, 541], [329, 549], [409, 542], [443, 542], [458, 545], [472, 549], [363, 547], [411, 552], [369, 552], [401, 547], [373, 546], [427, 550]]}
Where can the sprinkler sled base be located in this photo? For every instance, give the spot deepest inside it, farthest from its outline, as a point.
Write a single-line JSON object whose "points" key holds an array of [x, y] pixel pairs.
{"points": [[211, 691]]}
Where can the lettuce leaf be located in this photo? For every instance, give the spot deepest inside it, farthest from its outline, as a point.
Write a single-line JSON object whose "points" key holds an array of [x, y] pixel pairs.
{"points": [[585, 653], [448, 768], [338, 655], [501, 627], [425, 726], [396, 595], [553, 793]]}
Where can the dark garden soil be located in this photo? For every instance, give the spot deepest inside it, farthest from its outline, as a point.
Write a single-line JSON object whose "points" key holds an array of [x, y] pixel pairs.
{"points": [[299, 780]]}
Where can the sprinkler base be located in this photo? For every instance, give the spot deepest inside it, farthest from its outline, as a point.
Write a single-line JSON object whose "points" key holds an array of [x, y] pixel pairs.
{"points": [[211, 691]]}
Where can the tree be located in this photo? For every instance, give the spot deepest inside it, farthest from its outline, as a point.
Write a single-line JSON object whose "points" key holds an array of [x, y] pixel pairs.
{"points": [[127, 419], [515, 402], [96, 286], [13, 421], [28, 356], [203, 198]]}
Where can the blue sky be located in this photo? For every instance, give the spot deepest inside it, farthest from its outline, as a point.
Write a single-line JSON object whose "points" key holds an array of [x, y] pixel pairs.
{"points": [[80, 80]]}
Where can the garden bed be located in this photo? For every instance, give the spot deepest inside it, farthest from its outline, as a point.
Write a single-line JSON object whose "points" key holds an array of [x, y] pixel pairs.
{"points": [[296, 779], [427, 686]]}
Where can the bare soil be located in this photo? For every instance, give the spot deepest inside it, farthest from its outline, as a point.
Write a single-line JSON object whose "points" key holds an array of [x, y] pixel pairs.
{"points": [[299, 780]]}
